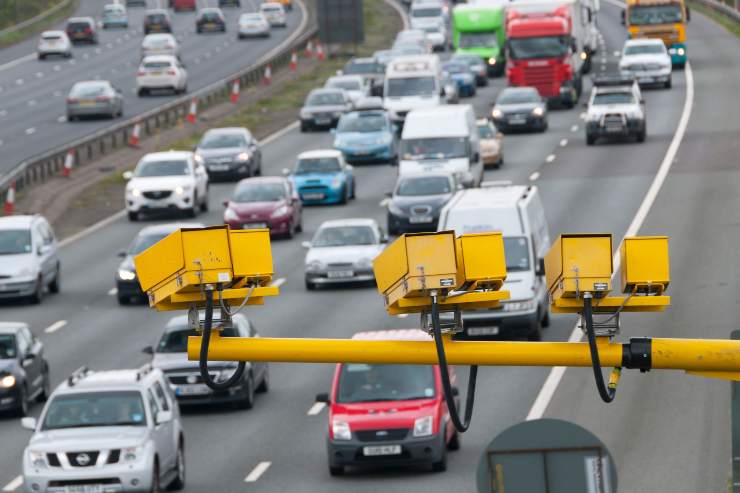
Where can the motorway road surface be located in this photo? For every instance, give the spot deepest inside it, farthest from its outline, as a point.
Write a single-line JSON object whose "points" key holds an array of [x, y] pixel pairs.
{"points": [[33, 92], [668, 433]]}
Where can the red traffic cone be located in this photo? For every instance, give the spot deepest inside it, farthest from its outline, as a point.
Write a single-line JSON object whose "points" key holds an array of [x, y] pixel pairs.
{"points": [[133, 141], [293, 61], [69, 161], [193, 113], [10, 200], [267, 78], [235, 91], [309, 49], [320, 52]]}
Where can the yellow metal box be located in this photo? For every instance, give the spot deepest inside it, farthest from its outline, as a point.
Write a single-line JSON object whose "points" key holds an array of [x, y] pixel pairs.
{"points": [[481, 260], [645, 266], [579, 262], [251, 255]]}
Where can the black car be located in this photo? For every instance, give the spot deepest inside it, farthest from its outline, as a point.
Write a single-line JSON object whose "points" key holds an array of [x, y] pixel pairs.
{"points": [[157, 21], [82, 30], [210, 19], [127, 282], [230, 152], [24, 372], [170, 355], [232, 3], [519, 108], [417, 200]]}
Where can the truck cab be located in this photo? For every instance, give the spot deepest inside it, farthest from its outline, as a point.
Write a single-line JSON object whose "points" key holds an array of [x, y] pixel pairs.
{"points": [[661, 19], [479, 30]]}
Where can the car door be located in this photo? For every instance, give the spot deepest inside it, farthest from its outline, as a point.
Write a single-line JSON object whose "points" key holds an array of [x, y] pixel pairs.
{"points": [[168, 403], [30, 359], [295, 202], [201, 178], [42, 251], [162, 434]]}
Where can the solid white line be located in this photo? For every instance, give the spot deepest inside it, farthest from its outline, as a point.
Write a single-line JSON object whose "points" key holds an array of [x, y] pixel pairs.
{"points": [[55, 326], [15, 484], [258, 471], [402, 315], [278, 282], [384, 202], [279, 133], [400, 11], [3, 112], [316, 409], [17, 61], [556, 374], [550, 158], [98, 225], [563, 142], [112, 291], [534, 176]]}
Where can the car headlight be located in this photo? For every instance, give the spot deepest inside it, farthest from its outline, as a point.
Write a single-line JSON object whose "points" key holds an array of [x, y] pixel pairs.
{"points": [[517, 306], [135, 192], [131, 454], [340, 430], [314, 266], [681, 52], [181, 190], [497, 113], [337, 182], [243, 156], [538, 111], [230, 215], [423, 426], [126, 274], [37, 458], [7, 381], [394, 209], [280, 211], [198, 158], [365, 263], [492, 61]]}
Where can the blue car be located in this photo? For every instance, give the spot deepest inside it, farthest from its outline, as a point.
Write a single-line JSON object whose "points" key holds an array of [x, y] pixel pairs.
{"points": [[323, 177], [462, 76], [366, 136]]}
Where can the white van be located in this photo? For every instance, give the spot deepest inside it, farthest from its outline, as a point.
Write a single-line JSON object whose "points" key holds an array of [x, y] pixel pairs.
{"points": [[444, 138], [412, 82], [517, 212]]}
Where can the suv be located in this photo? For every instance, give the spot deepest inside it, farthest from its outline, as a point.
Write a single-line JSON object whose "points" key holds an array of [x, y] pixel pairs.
{"points": [[170, 355], [82, 29], [615, 110], [29, 258], [388, 414], [24, 372], [117, 430]]}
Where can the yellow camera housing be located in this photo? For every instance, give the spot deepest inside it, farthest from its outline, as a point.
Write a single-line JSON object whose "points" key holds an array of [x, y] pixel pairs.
{"points": [[645, 266], [577, 263], [481, 260]]}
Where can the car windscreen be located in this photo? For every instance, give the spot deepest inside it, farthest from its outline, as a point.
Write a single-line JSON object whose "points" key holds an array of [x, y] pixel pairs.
{"points": [[7, 346], [93, 409], [176, 341], [163, 168], [363, 68], [478, 40], [362, 124], [517, 96], [259, 192], [410, 86], [15, 241], [318, 165], [614, 98], [142, 242], [407, 49], [485, 131], [210, 16], [157, 65], [359, 382], [456, 68], [542, 47], [89, 90], [655, 14], [517, 253], [426, 12], [349, 85], [423, 185], [436, 148], [221, 140], [344, 236], [646, 49], [325, 99]]}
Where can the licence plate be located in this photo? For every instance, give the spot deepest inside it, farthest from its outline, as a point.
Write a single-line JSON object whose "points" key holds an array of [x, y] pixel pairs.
{"points": [[339, 274], [313, 196], [86, 103], [483, 331], [193, 389], [156, 72], [323, 121], [647, 80], [420, 219], [218, 167], [210, 25], [84, 488], [254, 226], [381, 450], [517, 120]]}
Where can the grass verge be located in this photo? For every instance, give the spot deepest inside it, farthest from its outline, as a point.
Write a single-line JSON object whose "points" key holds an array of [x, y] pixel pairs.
{"points": [[39, 26], [729, 24]]}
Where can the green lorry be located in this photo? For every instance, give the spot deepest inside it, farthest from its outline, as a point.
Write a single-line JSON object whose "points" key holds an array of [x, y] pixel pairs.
{"points": [[480, 30]]}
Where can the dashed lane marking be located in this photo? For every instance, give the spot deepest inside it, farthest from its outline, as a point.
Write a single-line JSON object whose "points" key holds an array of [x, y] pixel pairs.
{"points": [[55, 326], [258, 471], [278, 282], [30, 131], [112, 291], [62, 119], [316, 409], [15, 484], [574, 128], [534, 176], [563, 142], [384, 202], [550, 158]]}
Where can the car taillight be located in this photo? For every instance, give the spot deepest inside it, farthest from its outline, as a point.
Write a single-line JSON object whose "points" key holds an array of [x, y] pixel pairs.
{"points": [[71, 100], [88, 30], [171, 72], [102, 98], [141, 72]]}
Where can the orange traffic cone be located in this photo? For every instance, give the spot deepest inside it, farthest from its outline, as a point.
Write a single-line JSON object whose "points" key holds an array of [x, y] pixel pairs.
{"points": [[293, 61], [309, 49], [69, 161], [267, 78], [193, 113], [10, 200], [133, 141], [320, 52], [235, 91]]}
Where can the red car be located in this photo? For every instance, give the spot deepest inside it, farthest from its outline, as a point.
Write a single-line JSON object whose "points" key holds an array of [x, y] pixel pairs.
{"points": [[265, 202], [177, 5], [388, 414]]}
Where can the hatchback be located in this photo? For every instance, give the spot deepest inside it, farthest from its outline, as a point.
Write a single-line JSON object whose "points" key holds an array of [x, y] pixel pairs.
{"points": [[265, 202]]}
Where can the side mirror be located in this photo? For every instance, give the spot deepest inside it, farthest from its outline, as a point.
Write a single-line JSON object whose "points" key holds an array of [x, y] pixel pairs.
{"points": [[122, 253], [286, 171], [455, 391], [323, 397], [163, 417], [306, 244], [384, 238], [540, 270], [389, 194], [43, 249], [127, 175], [148, 350], [28, 423], [225, 203]]}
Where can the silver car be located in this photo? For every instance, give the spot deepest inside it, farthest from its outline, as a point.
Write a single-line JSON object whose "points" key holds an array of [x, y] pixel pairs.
{"points": [[253, 24], [342, 251], [160, 44], [29, 258], [94, 98], [117, 430], [324, 107], [230, 152]]}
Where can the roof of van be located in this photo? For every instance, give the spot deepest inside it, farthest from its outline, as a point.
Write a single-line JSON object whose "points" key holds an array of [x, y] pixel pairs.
{"points": [[493, 197], [393, 335], [412, 64], [486, 209], [437, 121]]}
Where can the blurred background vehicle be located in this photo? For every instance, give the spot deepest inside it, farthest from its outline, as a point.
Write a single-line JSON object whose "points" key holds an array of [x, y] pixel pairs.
{"points": [[54, 43], [519, 108], [114, 15], [323, 177], [94, 98], [253, 24], [24, 370], [323, 108]]}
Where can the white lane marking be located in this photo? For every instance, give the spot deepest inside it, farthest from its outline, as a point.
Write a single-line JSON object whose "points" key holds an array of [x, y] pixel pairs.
{"points": [[98, 225], [31, 102], [62, 119], [534, 176], [57, 68], [3, 112], [563, 142], [18, 61], [73, 62], [278, 282], [582, 116], [1, 142], [550, 158], [316, 409], [556, 373], [19, 82], [14, 485], [55, 326], [574, 128], [384, 202], [258, 471], [112, 291], [617, 53], [402, 315], [30, 131], [39, 74]]}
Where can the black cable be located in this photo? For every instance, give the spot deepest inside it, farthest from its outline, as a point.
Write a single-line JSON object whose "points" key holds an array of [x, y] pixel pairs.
{"points": [[446, 385], [607, 395], [203, 360]]}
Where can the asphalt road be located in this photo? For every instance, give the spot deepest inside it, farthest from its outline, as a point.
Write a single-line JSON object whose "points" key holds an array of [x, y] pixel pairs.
{"points": [[667, 433], [33, 92]]}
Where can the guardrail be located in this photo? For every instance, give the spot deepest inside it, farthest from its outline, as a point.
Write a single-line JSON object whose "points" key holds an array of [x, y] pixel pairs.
{"points": [[731, 9], [40, 168]]}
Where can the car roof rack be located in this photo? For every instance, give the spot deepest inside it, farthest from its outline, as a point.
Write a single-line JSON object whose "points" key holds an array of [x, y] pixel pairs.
{"points": [[77, 375], [612, 81]]}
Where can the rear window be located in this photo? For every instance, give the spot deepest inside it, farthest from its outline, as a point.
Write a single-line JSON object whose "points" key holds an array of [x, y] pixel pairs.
{"points": [[51, 37], [210, 16], [89, 90], [377, 383], [156, 18], [156, 65], [78, 25]]}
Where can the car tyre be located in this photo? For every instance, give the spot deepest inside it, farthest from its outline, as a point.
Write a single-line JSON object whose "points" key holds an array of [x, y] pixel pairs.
{"points": [[41, 56], [668, 84], [536, 333], [441, 464], [299, 226], [354, 190], [336, 470], [46, 388], [546, 319], [290, 232], [142, 91], [56, 284], [193, 211], [204, 204], [248, 401], [304, 127], [38, 295], [179, 482], [155, 488], [642, 135], [264, 385], [22, 409], [310, 286], [123, 300], [454, 443], [133, 216], [590, 139]]}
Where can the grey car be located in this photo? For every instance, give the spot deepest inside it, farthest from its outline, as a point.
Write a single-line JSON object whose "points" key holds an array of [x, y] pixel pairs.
{"points": [[519, 108], [94, 98], [417, 200], [323, 108], [170, 355], [230, 152], [29, 258], [253, 24]]}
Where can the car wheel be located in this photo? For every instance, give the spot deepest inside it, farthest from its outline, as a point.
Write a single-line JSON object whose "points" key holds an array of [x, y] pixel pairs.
{"points": [[193, 211], [123, 300], [546, 319], [155, 488], [57, 282], [642, 135], [336, 470], [204, 205], [668, 84], [441, 464], [299, 226], [454, 443], [46, 386], [179, 482], [41, 57], [264, 385], [590, 140], [345, 195], [290, 232], [38, 295], [248, 401], [354, 190], [22, 408], [142, 92], [310, 286], [304, 127], [133, 216]]}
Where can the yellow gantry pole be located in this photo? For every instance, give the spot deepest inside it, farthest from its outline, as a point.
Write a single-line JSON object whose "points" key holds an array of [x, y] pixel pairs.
{"points": [[698, 355]]}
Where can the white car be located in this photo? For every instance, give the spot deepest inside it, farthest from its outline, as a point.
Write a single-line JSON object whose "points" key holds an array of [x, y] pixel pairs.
{"points": [[161, 72], [616, 110], [647, 60], [54, 43], [274, 13], [342, 251], [160, 44], [173, 181], [353, 85], [253, 24]]}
